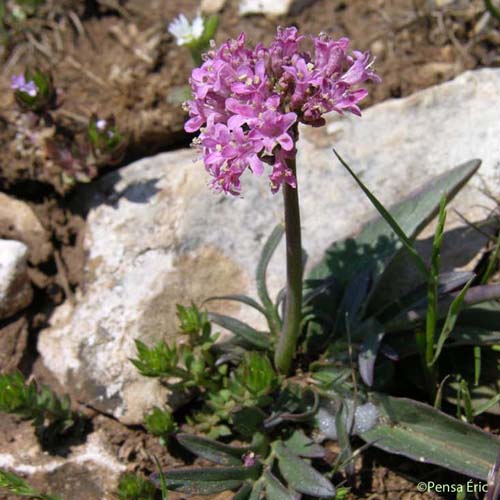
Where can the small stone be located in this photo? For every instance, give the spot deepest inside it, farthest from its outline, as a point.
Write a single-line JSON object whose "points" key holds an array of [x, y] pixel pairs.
{"points": [[19, 222], [273, 8], [212, 6], [13, 338], [15, 288], [378, 48]]}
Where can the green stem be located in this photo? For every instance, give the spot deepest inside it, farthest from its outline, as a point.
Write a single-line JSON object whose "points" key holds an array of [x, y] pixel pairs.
{"points": [[287, 342], [493, 10]]}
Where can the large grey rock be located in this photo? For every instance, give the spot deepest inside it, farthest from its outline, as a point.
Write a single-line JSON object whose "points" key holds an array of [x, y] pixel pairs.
{"points": [[15, 288], [156, 236]]}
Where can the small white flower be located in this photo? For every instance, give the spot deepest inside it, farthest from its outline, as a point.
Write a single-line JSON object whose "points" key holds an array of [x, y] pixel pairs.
{"points": [[101, 124], [183, 31]]}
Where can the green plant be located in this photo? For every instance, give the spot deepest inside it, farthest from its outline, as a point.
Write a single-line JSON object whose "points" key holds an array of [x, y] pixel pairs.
{"points": [[133, 487], [329, 358], [18, 486], [34, 91], [160, 423], [106, 141], [51, 416]]}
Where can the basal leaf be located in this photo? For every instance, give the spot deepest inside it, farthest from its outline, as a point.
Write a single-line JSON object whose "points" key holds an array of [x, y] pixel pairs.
{"points": [[304, 446], [276, 491], [206, 480], [258, 339], [377, 243], [404, 344], [300, 475], [420, 432], [209, 449], [476, 295], [248, 421]]}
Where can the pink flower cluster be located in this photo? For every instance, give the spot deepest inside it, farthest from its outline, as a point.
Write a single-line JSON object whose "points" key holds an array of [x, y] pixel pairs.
{"points": [[247, 102]]}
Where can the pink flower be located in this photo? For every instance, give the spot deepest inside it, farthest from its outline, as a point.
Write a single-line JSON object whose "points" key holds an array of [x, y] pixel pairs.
{"points": [[247, 102]]}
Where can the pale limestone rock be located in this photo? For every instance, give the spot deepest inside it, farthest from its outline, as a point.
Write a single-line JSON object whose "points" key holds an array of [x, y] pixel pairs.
{"points": [[91, 470], [15, 288], [157, 236]]}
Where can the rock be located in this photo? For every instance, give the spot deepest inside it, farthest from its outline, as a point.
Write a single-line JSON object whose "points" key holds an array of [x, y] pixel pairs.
{"points": [[90, 471], [157, 236], [15, 289], [272, 8], [19, 222], [212, 6]]}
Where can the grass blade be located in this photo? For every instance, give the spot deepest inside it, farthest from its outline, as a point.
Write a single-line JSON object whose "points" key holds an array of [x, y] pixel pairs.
{"points": [[451, 319], [244, 299]]}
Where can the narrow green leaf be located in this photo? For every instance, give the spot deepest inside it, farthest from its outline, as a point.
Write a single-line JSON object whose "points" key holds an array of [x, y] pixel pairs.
{"points": [[300, 475], [467, 400], [451, 319], [209, 449], [257, 490], [488, 405], [405, 240], [244, 492], [492, 262], [345, 456], [242, 330], [275, 490], [432, 285], [161, 479], [265, 257], [244, 299], [477, 364], [420, 432]]}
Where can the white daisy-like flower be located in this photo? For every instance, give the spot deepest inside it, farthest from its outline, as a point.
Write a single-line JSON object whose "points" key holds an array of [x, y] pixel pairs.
{"points": [[184, 31]]}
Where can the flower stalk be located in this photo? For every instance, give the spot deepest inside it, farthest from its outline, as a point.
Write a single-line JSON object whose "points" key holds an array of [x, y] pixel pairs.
{"points": [[287, 341]]}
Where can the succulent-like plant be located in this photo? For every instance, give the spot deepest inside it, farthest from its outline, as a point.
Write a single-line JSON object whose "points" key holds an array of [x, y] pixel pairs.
{"points": [[52, 416]]}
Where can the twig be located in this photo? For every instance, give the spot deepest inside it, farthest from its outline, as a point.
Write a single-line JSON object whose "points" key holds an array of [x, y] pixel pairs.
{"points": [[71, 61], [62, 273]]}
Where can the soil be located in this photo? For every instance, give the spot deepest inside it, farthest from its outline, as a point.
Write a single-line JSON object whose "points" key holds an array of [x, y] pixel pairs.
{"points": [[116, 58]]}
